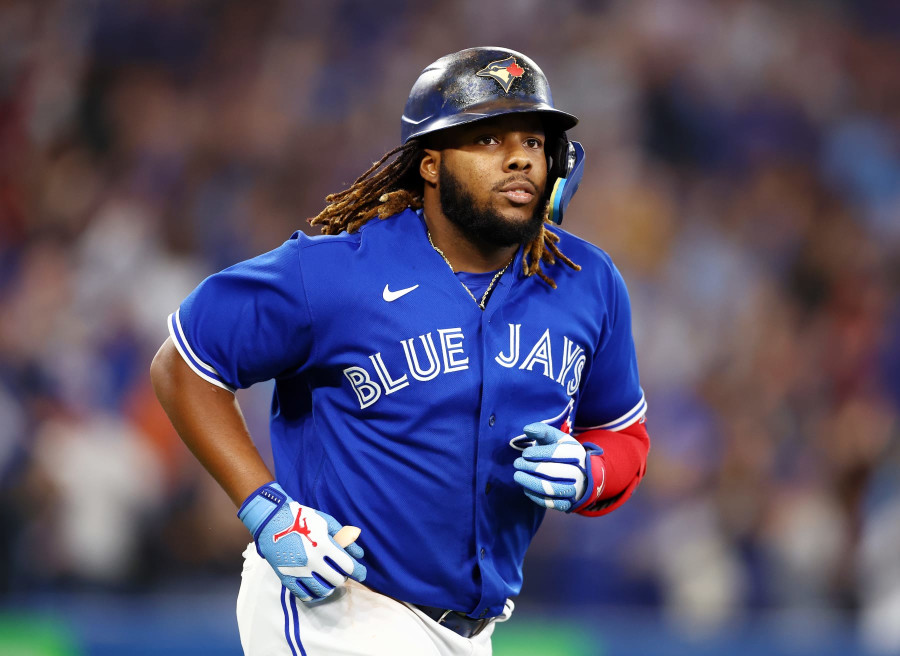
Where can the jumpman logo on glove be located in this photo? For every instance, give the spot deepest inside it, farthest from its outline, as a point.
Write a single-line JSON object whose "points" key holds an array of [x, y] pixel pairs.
{"points": [[295, 528], [312, 568]]}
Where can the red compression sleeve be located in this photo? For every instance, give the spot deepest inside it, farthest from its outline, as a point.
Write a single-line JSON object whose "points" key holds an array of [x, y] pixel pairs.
{"points": [[620, 467]]}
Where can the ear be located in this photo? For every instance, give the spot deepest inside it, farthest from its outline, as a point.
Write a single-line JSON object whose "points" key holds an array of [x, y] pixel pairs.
{"points": [[430, 166]]}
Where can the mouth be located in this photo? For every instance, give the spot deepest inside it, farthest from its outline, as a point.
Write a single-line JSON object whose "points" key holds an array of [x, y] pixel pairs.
{"points": [[519, 192]]}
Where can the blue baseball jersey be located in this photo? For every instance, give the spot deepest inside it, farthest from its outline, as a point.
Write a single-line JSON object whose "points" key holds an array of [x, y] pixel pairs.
{"points": [[396, 397]]}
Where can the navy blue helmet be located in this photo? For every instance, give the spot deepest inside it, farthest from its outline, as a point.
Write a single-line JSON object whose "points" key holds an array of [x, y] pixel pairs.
{"points": [[479, 83]]}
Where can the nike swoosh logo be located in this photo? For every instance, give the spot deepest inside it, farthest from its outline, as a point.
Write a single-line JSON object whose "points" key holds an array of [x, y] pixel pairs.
{"points": [[389, 296]]}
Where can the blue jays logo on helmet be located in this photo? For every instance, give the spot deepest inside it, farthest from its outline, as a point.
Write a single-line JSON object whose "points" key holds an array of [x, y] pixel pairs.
{"points": [[502, 71]]}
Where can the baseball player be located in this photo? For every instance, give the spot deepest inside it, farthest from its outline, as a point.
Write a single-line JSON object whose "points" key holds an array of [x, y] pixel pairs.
{"points": [[448, 366]]}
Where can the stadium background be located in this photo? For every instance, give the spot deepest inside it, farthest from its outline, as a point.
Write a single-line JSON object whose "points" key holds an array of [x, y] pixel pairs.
{"points": [[743, 170]]}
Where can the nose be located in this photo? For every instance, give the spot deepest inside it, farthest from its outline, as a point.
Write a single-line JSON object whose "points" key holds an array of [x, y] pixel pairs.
{"points": [[517, 158]]}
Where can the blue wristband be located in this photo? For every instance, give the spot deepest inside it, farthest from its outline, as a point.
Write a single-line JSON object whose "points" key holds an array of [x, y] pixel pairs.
{"points": [[260, 506], [592, 450]]}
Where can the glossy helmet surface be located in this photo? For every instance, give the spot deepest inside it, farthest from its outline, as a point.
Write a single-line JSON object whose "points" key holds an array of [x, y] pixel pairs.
{"points": [[475, 84]]}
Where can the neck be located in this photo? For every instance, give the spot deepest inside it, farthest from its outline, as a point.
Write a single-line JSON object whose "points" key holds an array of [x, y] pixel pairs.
{"points": [[459, 249]]}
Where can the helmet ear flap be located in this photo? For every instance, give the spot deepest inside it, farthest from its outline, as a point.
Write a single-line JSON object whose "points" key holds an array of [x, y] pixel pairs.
{"points": [[556, 148], [565, 166]]}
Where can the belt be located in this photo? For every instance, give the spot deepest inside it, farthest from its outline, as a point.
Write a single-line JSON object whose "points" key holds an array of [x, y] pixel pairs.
{"points": [[459, 623]]}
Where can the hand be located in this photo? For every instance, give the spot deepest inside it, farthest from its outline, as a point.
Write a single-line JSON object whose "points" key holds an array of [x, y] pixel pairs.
{"points": [[552, 471], [299, 543]]}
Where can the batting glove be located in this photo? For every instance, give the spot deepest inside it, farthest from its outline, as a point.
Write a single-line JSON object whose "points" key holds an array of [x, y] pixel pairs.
{"points": [[298, 543], [553, 471]]}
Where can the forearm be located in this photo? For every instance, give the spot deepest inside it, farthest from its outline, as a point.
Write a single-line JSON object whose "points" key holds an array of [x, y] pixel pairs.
{"points": [[621, 467], [209, 421]]}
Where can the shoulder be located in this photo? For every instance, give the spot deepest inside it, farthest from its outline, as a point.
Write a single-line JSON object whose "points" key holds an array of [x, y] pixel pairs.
{"points": [[322, 254], [372, 231], [597, 266], [347, 260], [300, 241], [296, 252]]}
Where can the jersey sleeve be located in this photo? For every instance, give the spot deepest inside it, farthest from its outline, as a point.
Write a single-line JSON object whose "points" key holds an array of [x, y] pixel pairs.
{"points": [[248, 323], [611, 397]]}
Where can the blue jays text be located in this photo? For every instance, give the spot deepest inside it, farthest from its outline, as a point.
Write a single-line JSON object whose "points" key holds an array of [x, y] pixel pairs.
{"points": [[453, 358]]}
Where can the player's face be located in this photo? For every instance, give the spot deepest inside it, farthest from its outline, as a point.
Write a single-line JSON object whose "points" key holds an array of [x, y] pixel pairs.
{"points": [[492, 179]]}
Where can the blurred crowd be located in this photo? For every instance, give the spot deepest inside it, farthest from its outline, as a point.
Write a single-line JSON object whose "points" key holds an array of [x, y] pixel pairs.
{"points": [[743, 171]]}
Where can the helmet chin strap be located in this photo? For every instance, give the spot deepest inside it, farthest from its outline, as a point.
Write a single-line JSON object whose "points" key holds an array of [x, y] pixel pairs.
{"points": [[566, 185]]}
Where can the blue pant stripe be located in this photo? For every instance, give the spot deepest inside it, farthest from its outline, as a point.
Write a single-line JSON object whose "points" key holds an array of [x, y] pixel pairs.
{"points": [[297, 624], [287, 630]]}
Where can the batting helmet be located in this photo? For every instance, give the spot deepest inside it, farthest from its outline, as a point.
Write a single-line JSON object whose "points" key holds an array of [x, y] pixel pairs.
{"points": [[475, 84], [479, 83]]}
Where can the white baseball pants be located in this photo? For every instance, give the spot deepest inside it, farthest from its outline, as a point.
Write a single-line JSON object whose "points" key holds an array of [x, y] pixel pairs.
{"points": [[353, 621]]}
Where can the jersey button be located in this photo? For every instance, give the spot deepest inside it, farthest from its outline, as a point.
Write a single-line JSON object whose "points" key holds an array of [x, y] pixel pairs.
{"points": [[482, 553], [487, 488], [492, 420]]}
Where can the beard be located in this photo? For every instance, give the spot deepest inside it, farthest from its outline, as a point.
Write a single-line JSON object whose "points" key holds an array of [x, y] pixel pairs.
{"points": [[482, 224]]}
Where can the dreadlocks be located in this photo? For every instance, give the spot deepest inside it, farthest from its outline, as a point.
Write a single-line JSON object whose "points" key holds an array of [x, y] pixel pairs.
{"points": [[382, 191], [390, 186]]}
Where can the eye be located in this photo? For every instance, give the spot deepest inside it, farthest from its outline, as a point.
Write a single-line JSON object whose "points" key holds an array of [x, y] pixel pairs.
{"points": [[534, 142], [486, 140]]}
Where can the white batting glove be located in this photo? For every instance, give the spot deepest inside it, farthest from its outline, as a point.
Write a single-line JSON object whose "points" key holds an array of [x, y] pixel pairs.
{"points": [[298, 542], [552, 472]]}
